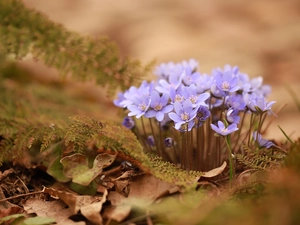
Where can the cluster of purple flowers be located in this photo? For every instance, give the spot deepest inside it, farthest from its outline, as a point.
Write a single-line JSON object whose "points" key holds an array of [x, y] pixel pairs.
{"points": [[182, 94], [186, 99]]}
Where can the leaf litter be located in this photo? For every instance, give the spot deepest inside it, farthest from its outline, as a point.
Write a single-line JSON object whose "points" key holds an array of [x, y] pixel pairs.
{"points": [[119, 193]]}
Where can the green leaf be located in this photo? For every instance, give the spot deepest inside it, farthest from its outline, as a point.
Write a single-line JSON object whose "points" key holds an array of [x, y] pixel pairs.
{"points": [[76, 167], [39, 221], [91, 189], [14, 216], [55, 170]]}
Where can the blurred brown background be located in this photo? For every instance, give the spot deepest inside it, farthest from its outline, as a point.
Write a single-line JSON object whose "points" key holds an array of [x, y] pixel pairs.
{"points": [[262, 37]]}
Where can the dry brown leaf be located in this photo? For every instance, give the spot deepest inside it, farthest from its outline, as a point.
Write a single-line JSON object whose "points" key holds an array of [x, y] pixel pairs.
{"points": [[216, 171], [53, 209], [150, 188], [144, 190], [92, 211], [122, 187], [125, 175], [118, 213], [10, 211], [74, 201]]}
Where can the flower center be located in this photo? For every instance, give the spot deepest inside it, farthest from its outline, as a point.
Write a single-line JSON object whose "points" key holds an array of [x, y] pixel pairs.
{"points": [[225, 85], [142, 107], [158, 107], [193, 99], [184, 116], [225, 130], [200, 115], [178, 98], [184, 127]]}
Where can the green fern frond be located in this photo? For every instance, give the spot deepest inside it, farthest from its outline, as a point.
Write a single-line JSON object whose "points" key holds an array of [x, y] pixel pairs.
{"points": [[261, 159], [24, 31], [81, 130], [85, 134], [172, 174]]}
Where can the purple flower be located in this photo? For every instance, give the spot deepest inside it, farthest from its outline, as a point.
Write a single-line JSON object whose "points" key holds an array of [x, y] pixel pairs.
{"points": [[203, 83], [174, 80], [178, 95], [263, 143], [158, 106], [119, 100], [151, 140], [227, 81], [168, 142], [217, 92], [194, 97], [140, 106], [192, 63], [253, 85], [130, 95], [184, 115], [190, 77], [222, 130], [128, 122], [232, 116], [258, 103], [203, 113], [236, 101], [164, 69]]}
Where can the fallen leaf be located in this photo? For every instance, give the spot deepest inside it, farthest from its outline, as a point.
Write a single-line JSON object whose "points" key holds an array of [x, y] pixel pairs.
{"points": [[10, 211], [52, 209], [76, 167], [92, 211], [216, 171], [75, 202], [118, 213], [144, 190]]}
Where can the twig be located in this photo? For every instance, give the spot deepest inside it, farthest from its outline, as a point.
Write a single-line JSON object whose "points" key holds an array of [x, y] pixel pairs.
{"points": [[21, 195], [25, 187]]}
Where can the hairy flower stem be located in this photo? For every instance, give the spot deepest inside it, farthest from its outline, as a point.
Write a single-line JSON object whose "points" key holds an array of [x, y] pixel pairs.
{"points": [[200, 146], [191, 153], [145, 135], [250, 127], [209, 140], [138, 133], [263, 122], [231, 166], [161, 141], [154, 136], [239, 131], [182, 157], [258, 128], [188, 150]]}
